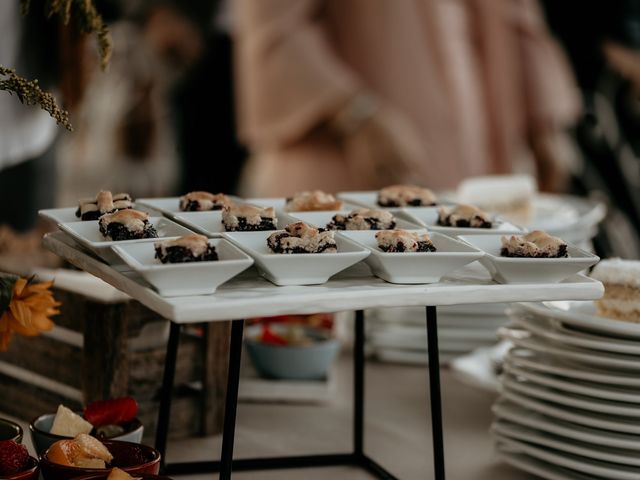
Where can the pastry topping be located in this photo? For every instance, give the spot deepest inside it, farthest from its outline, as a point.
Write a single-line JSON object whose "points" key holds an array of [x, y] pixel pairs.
{"points": [[404, 241], [126, 225], [363, 219], [245, 217], [69, 424], [621, 279], [316, 200], [83, 451], [405, 196], [203, 201], [105, 202], [188, 248], [465, 216], [301, 238], [14, 458], [536, 244], [617, 271]]}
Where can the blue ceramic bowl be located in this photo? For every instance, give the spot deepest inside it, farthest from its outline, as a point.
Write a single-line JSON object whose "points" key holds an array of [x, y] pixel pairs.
{"points": [[10, 430], [42, 439], [308, 362]]}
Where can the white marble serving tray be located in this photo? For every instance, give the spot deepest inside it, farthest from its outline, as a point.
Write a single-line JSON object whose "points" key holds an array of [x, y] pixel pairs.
{"points": [[248, 295]]}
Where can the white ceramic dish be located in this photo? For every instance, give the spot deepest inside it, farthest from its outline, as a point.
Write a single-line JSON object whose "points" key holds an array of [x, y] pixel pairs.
{"points": [[560, 444], [279, 204], [594, 468], [370, 199], [544, 363], [570, 400], [578, 387], [418, 267], [180, 279], [408, 357], [528, 270], [583, 315], [528, 418], [210, 223], [321, 219], [555, 331], [537, 467], [170, 206], [88, 235], [60, 215], [613, 361], [68, 214], [428, 217], [297, 269], [581, 417]]}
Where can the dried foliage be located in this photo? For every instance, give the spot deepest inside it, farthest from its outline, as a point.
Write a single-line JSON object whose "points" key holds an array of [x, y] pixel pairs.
{"points": [[30, 93], [88, 21]]}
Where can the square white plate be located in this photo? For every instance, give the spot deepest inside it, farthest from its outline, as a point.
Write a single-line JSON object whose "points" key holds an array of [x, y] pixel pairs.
{"points": [[321, 219], [191, 278], [428, 217], [415, 267], [299, 268], [370, 199], [88, 235], [170, 206], [68, 214], [528, 270], [279, 203], [210, 223]]}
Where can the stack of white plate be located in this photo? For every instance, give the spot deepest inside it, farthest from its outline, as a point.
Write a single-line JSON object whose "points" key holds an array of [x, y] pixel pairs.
{"points": [[569, 406], [399, 335]]}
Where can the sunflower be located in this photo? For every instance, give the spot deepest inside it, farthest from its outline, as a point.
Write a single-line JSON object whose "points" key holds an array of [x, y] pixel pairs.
{"points": [[27, 307]]}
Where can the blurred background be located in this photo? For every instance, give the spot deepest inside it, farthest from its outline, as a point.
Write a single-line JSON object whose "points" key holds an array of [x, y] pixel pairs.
{"points": [[265, 98], [272, 97]]}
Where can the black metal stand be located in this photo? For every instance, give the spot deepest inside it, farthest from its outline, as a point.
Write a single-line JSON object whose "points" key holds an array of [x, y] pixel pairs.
{"points": [[356, 458]]}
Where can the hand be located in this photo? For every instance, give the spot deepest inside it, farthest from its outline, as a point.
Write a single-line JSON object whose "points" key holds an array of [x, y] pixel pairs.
{"points": [[383, 148], [556, 157]]}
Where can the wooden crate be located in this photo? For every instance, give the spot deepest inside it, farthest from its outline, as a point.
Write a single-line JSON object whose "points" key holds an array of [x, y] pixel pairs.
{"points": [[97, 351]]}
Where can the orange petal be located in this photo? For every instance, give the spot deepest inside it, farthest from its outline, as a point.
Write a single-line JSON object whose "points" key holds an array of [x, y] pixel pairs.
{"points": [[5, 338], [20, 312], [19, 286]]}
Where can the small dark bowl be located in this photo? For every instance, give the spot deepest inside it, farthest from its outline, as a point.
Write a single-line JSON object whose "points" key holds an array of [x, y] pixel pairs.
{"points": [[120, 451], [31, 473], [105, 474], [10, 430], [42, 439]]}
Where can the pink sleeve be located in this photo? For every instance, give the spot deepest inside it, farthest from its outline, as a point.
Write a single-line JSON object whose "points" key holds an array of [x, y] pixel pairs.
{"points": [[288, 79]]}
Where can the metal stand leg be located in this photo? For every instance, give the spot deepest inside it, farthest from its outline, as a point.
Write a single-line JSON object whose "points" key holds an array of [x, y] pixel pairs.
{"points": [[231, 403], [434, 387], [358, 385], [164, 411]]}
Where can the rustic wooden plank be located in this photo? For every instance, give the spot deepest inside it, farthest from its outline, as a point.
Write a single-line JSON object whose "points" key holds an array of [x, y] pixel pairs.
{"points": [[215, 360], [48, 357], [105, 366], [26, 401]]}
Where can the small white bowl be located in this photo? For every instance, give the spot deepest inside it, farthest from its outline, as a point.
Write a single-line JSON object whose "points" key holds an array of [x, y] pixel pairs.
{"points": [[298, 268], [209, 223], [321, 219], [528, 270], [428, 217], [190, 278], [68, 214], [170, 206], [88, 235], [415, 267]]}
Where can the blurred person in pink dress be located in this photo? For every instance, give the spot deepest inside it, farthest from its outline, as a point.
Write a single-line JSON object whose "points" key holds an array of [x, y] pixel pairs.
{"points": [[358, 94]]}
